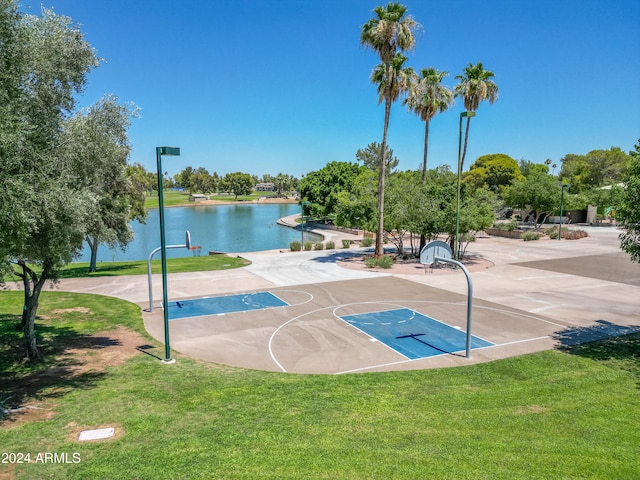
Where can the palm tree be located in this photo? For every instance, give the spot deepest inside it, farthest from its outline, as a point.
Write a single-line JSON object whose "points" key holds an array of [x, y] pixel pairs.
{"points": [[427, 98], [475, 86], [390, 31]]}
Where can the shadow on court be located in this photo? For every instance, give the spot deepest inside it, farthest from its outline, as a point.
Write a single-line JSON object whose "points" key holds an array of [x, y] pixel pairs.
{"points": [[612, 267]]}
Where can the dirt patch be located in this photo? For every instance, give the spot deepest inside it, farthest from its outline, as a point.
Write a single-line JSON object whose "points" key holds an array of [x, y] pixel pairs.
{"points": [[58, 311], [84, 361], [106, 349], [473, 264]]}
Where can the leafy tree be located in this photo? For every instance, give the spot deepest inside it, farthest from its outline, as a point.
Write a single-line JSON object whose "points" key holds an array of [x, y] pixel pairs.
{"points": [[427, 98], [629, 214], [389, 32], [595, 169], [356, 207], [267, 178], [183, 178], [283, 182], [475, 86], [400, 209], [237, 183], [540, 193], [322, 187], [370, 158], [202, 182], [493, 172], [477, 212], [44, 61], [96, 144], [527, 167], [436, 197], [141, 180]]}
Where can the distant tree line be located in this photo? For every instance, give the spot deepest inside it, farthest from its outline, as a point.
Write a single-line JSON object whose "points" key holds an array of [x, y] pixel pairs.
{"points": [[199, 180], [424, 202]]}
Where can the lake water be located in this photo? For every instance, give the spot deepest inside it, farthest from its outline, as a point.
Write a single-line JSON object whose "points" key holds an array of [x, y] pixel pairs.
{"points": [[220, 228]]}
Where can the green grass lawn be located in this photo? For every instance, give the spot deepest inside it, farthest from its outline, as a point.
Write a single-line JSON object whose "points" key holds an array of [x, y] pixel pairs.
{"points": [[139, 267], [555, 414], [242, 198], [171, 198]]}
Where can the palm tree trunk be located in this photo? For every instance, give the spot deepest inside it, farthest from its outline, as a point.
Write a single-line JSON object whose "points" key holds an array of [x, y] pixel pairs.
{"points": [[383, 165], [426, 150], [423, 238], [466, 139], [381, 177]]}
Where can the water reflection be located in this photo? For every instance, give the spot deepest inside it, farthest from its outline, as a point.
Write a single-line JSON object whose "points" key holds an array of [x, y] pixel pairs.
{"points": [[222, 228]]}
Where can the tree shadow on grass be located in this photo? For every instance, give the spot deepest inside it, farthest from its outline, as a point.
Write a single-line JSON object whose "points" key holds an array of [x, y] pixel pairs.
{"points": [[55, 375], [604, 342]]}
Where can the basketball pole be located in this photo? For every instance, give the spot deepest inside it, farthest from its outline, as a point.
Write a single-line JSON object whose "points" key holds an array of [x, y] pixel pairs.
{"points": [[469, 297]]}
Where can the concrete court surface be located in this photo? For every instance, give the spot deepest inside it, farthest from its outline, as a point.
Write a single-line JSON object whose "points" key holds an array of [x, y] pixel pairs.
{"points": [[538, 295]]}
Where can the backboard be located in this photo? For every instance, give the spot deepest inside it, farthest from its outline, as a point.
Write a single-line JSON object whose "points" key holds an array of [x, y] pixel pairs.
{"points": [[434, 249]]}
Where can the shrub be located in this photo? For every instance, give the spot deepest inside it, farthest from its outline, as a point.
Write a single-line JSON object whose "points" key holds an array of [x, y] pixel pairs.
{"points": [[507, 227], [528, 236], [295, 246], [366, 242], [346, 243], [566, 233], [574, 234], [330, 245], [318, 246], [307, 245], [379, 262]]}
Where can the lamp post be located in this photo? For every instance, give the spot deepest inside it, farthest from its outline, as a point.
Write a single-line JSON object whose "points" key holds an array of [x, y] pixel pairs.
{"points": [[301, 224], [562, 187], [169, 151], [457, 237]]}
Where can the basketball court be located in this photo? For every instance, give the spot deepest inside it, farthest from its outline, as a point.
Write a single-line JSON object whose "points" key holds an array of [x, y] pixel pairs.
{"points": [[367, 325]]}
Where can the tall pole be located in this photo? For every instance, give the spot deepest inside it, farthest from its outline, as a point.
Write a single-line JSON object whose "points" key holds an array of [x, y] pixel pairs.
{"points": [[163, 255], [457, 237], [163, 247], [562, 187]]}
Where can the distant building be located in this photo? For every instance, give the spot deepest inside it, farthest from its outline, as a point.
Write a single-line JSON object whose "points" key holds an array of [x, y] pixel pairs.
{"points": [[265, 187], [198, 197]]}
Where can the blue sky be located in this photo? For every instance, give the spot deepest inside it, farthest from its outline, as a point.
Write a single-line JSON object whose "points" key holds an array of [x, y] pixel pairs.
{"points": [[268, 86]]}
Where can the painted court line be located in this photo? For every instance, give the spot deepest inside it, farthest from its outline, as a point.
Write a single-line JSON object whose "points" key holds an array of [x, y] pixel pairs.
{"points": [[401, 322], [412, 334], [221, 305]]}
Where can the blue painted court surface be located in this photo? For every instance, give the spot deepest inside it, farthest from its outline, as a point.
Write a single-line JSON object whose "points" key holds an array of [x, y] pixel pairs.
{"points": [[225, 304], [412, 334]]}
